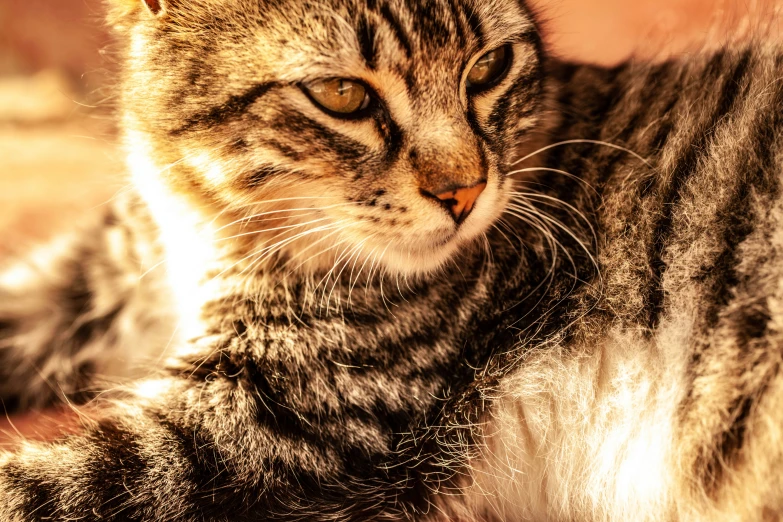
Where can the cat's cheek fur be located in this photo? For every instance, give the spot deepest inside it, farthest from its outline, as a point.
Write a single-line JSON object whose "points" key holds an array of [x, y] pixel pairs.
{"points": [[188, 237]]}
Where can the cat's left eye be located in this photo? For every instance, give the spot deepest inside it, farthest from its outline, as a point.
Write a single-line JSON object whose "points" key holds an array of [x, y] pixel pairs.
{"points": [[339, 96], [489, 69]]}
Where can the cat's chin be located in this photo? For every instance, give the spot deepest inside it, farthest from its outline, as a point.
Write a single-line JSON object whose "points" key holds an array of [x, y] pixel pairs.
{"points": [[422, 259], [427, 256]]}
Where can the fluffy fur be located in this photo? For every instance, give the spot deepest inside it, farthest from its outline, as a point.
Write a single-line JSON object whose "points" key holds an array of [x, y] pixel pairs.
{"points": [[599, 340]]}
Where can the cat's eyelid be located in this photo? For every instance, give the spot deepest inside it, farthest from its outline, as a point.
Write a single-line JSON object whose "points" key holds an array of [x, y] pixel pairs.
{"points": [[525, 37]]}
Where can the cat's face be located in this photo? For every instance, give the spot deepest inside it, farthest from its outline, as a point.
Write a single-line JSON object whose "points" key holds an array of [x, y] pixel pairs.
{"points": [[375, 129]]}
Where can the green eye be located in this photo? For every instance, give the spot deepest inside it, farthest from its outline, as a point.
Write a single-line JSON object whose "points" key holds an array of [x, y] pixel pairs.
{"points": [[339, 95], [489, 69]]}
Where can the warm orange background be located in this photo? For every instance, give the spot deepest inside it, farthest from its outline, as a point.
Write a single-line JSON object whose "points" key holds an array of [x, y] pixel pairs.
{"points": [[58, 156]]}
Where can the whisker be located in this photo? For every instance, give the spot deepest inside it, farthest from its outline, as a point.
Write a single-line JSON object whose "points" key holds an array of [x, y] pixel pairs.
{"points": [[351, 282], [557, 171], [280, 211], [557, 203], [571, 142]]}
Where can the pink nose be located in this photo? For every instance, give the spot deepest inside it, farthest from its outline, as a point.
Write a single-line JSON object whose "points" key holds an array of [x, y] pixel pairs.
{"points": [[459, 201]]}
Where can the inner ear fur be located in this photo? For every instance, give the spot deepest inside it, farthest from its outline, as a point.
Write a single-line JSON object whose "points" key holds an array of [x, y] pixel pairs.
{"points": [[156, 7], [119, 9]]}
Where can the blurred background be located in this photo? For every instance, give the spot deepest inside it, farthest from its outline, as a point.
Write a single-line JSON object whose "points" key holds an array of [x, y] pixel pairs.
{"points": [[58, 152]]}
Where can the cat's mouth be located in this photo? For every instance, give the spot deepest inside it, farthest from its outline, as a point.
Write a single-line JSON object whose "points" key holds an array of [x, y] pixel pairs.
{"points": [[450, 223], [413, 234]]}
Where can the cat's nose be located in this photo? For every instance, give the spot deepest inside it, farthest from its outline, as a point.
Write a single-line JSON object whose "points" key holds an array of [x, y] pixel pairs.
{"points": [[459, 201]]}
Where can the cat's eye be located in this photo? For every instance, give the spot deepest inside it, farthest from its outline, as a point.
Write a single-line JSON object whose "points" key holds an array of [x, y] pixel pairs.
{"points": [[489, 69], [339, 96]]}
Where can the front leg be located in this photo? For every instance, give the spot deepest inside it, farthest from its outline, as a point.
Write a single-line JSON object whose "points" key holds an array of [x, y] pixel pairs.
{"points": [[74, 310], [274, 414], [200, 452]]}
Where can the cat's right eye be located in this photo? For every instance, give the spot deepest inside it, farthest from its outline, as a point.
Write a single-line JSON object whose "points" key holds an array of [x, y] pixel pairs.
{"points": [[339, 96], [490, 69]]}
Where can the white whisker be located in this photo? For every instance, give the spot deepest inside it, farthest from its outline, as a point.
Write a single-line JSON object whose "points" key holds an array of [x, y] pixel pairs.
{"points": [[571, 142]]}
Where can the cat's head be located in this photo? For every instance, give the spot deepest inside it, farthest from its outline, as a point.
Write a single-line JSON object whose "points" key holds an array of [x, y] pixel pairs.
{"points": [[375, 129]]}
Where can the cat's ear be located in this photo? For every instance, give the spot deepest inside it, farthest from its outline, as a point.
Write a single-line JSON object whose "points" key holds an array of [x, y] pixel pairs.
{"points": [[121, 9], [156, 7], [122, 12]]}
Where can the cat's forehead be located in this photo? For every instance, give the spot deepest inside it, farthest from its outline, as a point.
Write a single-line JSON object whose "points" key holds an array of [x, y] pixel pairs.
{"points": [[416, 26], [378, 33]]}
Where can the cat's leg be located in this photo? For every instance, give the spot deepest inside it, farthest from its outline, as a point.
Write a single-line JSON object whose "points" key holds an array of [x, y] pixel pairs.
{"points": [[184, 448], [69, 311]]}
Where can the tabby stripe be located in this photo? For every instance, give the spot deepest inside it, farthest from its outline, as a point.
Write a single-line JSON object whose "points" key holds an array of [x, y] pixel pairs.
{"points": [[235, 106], [397, 30], [751, 321], [306, 128], [393, 136], [475, 125], [654, 82], [740, 223], [430, 21], [474, 22], [685, 168], [600, 103], [459, 23], [116, 444], [526, 88], [292, 424], [272, 414], [40, 494], [216, 492], [666, 125], [261, 175], [286, 150], [365, 33]]}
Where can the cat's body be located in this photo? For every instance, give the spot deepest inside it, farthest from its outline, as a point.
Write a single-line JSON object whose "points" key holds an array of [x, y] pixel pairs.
{"points": [[623, 366]]}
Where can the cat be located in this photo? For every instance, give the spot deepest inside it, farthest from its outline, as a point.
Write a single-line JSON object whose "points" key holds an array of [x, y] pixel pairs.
{"points": [[389, 260]]}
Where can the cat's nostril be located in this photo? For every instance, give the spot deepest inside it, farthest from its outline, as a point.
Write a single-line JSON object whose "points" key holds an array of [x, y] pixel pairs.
{"points": [[458, 201]]}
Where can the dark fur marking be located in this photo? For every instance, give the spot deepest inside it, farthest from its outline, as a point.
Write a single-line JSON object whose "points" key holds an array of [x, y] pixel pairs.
{"points": [[285, 150], [397, 30], [239, 145], [231, 108], [672, 194], [365, 34], [751, 322], [459, 24], [260, 176], [474, 22], [475, 125], [115, 484], [308, 129], [41, 495], [393, 136]]}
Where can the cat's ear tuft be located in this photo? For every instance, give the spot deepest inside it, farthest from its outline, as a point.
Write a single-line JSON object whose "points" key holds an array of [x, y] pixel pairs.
{"points": [[156, 7]]}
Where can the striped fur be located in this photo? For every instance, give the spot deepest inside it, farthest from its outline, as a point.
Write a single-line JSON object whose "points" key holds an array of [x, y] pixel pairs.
{"points": [[597, 341]]}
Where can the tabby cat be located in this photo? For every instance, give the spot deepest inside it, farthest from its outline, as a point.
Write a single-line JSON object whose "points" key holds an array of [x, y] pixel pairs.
{"points": [[388, 260]]}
